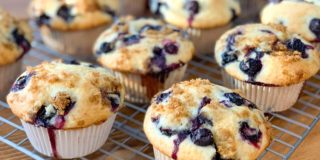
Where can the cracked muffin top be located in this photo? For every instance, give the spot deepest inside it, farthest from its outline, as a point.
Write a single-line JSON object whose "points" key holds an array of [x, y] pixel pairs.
{"points": [[143, 46], [304, 19], [65, 95], [266, 54], [199, 120], [199, 13], [15, 38], [73, 14]]}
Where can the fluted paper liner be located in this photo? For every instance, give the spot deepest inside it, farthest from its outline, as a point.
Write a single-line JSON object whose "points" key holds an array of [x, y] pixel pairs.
{"points": [[71, 143], [141, 88], [267, 98]]}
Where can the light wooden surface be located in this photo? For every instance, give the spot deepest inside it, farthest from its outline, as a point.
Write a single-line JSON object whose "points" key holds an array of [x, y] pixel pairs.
{"points": [[308, 150]]}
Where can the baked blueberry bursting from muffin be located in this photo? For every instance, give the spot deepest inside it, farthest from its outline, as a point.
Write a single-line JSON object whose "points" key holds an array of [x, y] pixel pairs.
{"points": [[297, 45], [48, 116], [72, 61], [251, 67], [65, 13], [236, 99], [21, 41], [250, 134], [171, 48], [193, 8], [159, 58], [199, 136], [163, 97], [230, 55], [21, 82], [150, 27], [111, 97], [132, 39], [315, 28], [43, 19], [105, 48]]}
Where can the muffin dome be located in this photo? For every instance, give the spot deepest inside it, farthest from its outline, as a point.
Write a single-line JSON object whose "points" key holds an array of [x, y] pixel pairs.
{"points": [[15, 38], [266, 54], [65, 95], [143, 46], [199, 120], [199, 13], [304, 19], [73, 14]]}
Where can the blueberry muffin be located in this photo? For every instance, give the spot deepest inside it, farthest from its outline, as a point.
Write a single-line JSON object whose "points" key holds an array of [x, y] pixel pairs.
{"points": [[67, 109], [266, 62], [199, 120], [15, 42], [205, 19], [145, 54], [64, 24], [304, 19]]}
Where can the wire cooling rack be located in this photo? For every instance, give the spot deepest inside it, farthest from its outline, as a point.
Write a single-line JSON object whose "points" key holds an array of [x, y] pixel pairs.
{"points": [[127, 140]]}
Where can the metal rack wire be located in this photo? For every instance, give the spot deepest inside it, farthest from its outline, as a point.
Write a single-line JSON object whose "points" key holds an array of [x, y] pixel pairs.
{"points": [[127, 140]]}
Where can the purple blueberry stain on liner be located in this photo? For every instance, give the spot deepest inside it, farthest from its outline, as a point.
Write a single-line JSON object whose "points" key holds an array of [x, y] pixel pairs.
{"points": [[193, 8]]}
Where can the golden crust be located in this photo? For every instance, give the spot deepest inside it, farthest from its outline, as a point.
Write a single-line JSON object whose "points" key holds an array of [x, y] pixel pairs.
{"points": [[281, 65], [212, 13], [87, 14], [60, 84], [297, 20], [9, 50], [136, 57], [182, 106]]}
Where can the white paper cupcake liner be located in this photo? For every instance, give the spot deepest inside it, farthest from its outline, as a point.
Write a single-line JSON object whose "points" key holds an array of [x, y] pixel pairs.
{"points": [[8, 74], [78, 44], [159, 156], [267, 98], [205, 39], [141, 88], [69, 143]]}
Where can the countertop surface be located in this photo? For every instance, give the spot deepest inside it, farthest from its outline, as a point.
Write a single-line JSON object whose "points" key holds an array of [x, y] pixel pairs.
{"points": [[309, 148]]}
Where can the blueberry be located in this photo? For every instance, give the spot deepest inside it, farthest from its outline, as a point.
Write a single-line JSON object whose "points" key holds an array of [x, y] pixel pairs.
{"points": [[231, 40], [167, 132], [205, 100], [192, 6], [250, 134], [43, 19], [72, 62], [235, 98], [163, 97], [43, 118], [105, 48], [21, 82], [315, 27], [297, 45], [251, 67], [21, 41], [171, 48], [112, 97], [266, 31], [68, 108], [133, 39], [155, 119], [181, 137], [159, 58], [228, 57], [234, 15], [150, 27], [65, 13], [202, 137], [199, 121]]}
